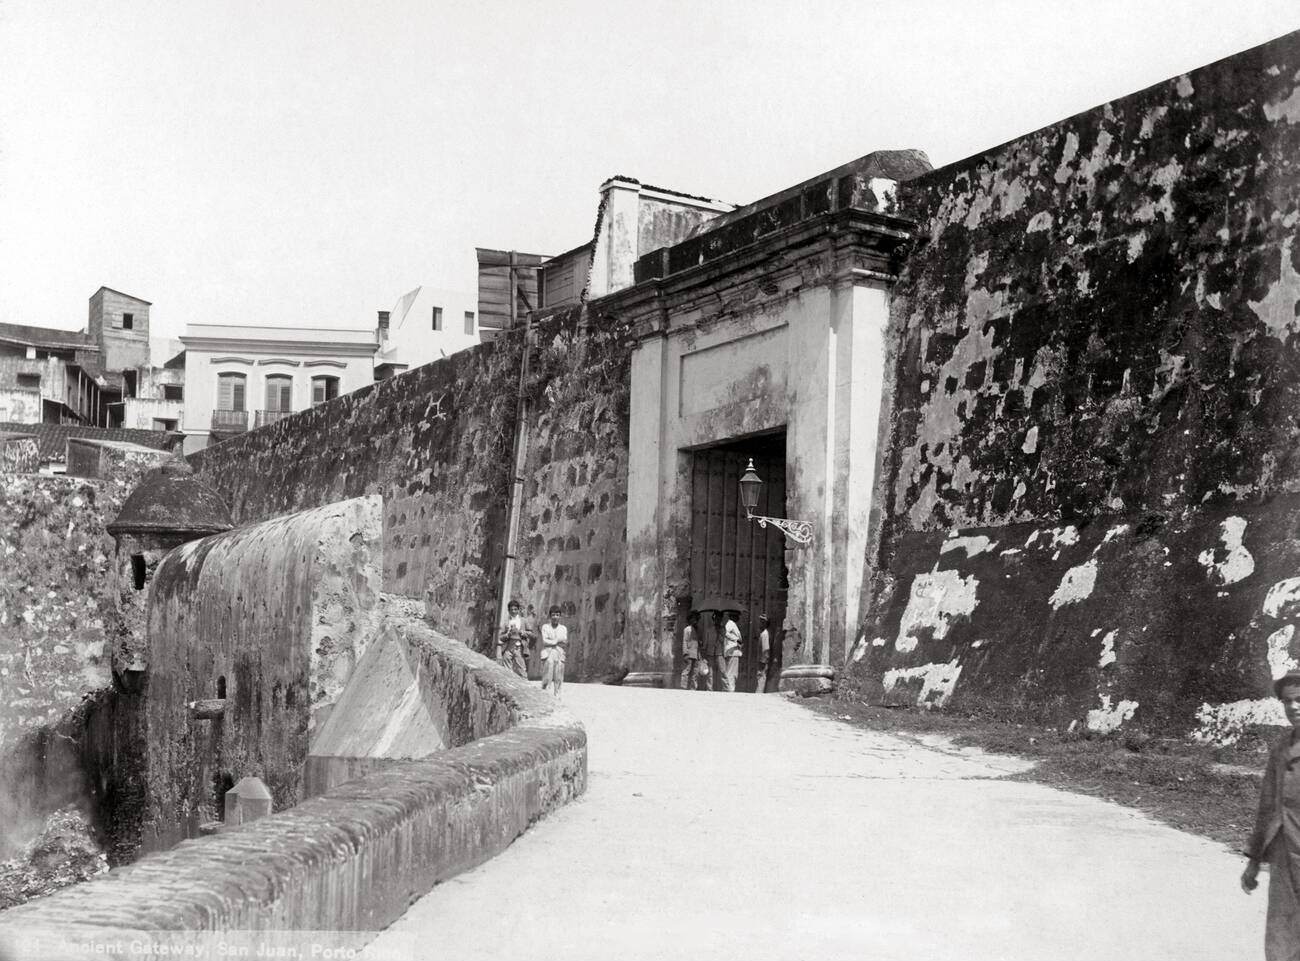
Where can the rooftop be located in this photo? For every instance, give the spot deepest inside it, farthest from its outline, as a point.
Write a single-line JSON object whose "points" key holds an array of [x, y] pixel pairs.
{"points": [[122, 293], [305, 336], [53, 438], [50, 338]]}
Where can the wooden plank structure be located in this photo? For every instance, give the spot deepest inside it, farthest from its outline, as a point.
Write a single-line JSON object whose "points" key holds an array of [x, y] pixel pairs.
{"points": [[498, 272]]}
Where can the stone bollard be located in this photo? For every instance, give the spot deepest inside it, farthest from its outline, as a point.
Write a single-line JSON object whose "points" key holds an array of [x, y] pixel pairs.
{"points": [[247, 801]]}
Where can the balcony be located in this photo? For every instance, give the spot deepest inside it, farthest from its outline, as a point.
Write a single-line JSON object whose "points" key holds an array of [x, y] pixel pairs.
{"points": [[229, 421], [265, 417]]}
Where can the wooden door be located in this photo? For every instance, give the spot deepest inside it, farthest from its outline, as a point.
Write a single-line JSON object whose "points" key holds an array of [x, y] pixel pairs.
{"points": [[733, 556]]}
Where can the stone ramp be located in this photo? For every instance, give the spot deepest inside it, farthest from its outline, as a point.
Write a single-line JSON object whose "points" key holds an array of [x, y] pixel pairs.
{"points": [[721, 826]]}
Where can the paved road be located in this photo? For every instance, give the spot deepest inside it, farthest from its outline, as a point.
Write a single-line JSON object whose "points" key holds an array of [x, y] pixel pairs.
{"points": [[742, 826]]}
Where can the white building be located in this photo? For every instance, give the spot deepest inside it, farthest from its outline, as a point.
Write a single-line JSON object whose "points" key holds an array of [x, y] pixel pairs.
{"points": [[242, 378], [424, 325]]}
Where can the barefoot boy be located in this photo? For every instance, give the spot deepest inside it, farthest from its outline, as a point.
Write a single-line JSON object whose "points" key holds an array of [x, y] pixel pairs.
{"points": [[555, 637]]}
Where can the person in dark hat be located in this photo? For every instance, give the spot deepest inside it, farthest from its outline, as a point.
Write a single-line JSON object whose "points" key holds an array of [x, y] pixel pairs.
{"points": [[515, 634], [1276, 837], [712, 651]]}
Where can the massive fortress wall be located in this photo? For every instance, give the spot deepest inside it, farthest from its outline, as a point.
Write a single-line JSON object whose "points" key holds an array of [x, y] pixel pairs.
{"points": [[437, 444], [1098, 384]]}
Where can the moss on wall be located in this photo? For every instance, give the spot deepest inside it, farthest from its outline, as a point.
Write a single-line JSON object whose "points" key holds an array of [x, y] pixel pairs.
{"points": [[437, 444], [1098, 323], [58, 625]]}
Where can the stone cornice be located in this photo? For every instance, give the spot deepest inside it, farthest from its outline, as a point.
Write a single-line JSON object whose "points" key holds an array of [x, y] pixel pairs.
{"points": [[844, 247], [229, 345]]}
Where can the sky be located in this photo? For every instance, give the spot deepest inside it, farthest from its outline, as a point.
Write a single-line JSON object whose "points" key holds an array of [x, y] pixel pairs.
{"points": [[306, 162]]}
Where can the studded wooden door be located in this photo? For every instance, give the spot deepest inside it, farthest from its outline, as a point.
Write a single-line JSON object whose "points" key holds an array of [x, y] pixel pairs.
{"points": [[733, 556]]}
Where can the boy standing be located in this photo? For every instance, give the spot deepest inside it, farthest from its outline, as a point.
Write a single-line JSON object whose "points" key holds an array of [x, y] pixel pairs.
{"points": [[731, 652], [764, 653], [691, 651], [555, 636]]}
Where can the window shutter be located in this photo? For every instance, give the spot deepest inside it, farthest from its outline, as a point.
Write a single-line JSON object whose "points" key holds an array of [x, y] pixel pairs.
{"points": [[279, 393]]}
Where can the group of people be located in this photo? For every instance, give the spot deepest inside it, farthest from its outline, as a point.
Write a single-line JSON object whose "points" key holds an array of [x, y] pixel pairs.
{"points": [[713, 662], [517, 637]]}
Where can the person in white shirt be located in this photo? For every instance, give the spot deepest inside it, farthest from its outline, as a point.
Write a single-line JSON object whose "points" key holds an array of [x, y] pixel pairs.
{"points": [[764, 652], [732, 650], [555, 636]]}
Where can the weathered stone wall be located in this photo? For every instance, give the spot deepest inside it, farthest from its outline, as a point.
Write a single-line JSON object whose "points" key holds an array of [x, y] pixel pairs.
{"points": [[351, 861], [1098, 327], [58, 624], [437, 444], [572, 535], [272, 618], [19, 454]]}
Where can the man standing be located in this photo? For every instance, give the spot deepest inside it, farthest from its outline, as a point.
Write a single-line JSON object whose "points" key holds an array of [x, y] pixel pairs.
{"points": [[514, 635], [713, 655], [764, 649], [555, 636], [691, 652], [732, 650]]}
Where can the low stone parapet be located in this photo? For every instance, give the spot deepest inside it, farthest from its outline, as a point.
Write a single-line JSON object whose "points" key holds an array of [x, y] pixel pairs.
{"points": [[347, 862]]}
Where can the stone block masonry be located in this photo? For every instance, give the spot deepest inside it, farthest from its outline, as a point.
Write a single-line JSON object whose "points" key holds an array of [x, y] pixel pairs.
{"points": [[351, 861], [1097, 326], [58, 625], [436, 443], [269, 620], [1173, 622]]}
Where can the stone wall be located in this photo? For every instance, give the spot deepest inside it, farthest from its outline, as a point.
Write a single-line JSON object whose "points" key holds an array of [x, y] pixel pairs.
{"points": [[346, 864], [1098, 328], [437, 444], [58, 624], [272, 619]]}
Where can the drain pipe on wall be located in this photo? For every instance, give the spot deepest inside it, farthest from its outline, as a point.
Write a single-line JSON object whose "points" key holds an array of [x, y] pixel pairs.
{"points": [[521, 453]]}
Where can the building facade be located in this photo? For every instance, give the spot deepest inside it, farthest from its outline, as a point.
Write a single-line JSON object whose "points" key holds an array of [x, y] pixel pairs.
{"points": [[104, 376], [49, 376], [240, 378], [761, 340], [426, 324]]}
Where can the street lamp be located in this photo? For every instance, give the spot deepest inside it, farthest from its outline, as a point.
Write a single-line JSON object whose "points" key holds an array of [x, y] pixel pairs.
{"points": [[798, 531]]}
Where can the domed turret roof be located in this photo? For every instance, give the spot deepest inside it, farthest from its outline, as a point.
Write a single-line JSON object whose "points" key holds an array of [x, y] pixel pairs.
{"points": [[171, 500]]}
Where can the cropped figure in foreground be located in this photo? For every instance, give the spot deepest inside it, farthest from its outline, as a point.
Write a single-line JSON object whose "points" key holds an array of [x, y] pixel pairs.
{"points": [[1277, 832]]}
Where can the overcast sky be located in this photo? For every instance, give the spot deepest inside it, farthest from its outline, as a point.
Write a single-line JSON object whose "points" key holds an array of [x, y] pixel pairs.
{"points": [[305, 162]]}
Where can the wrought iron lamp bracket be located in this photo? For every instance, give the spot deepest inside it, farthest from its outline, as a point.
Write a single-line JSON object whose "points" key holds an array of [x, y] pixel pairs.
{"points": [[801, 532]]}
